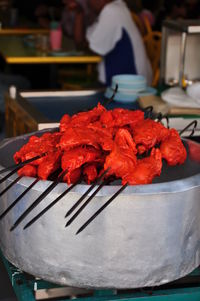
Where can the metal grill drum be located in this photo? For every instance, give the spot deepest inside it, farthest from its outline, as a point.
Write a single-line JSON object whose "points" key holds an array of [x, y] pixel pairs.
{"points": [[149, 235]]}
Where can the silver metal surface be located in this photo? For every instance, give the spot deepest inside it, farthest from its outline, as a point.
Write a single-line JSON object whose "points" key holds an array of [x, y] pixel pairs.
{"points": [[188, 26], [182, 58], [179, 55], [149, 235]]}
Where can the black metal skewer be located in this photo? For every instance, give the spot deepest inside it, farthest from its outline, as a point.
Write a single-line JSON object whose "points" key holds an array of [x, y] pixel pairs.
{"points": [[105, 102], [50, 205], [11, 185], [85, 204], [148, 111], [112, 97], [194, 122], [159, 117], [18, 198], [100, 209], [86, 193], [19, 165], [9, 174], [38, 200]]}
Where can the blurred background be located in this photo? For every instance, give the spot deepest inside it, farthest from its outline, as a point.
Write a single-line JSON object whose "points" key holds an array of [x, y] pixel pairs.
{"points": [[49, 45], [53, 46]]}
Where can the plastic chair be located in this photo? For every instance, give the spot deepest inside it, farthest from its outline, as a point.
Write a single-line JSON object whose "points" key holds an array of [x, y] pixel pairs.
{"points": [[147, 25], [143, 24], [152, 41], [138, 23]]}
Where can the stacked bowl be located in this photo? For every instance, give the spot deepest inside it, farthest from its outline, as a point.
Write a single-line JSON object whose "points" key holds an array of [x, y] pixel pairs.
{"points": [[130, 87]]}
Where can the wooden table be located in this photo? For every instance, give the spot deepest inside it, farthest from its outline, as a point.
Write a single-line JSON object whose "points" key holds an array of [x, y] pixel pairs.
{"points": [[15, 50], [23, 31]]}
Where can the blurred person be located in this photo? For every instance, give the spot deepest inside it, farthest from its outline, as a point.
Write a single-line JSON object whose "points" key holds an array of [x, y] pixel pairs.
{"points": [[177, 10], [41, 12], [171, 10], [193, 11], [115, 37], [5, 6], [135, 5], [69, 15], [47, 11], [148, 11]]}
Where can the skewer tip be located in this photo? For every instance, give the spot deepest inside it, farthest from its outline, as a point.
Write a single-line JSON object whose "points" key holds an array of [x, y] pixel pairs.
{"points": [[13, 227], [79, 230], [67, 214], [2, 215], [67, 224], [26, 226]]}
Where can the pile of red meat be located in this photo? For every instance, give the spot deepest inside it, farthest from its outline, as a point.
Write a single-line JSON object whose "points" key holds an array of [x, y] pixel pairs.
{"points": [[121, 141]]}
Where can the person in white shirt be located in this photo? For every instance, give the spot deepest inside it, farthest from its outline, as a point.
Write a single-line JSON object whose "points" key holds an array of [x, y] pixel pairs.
{"points": [[116, 38]]}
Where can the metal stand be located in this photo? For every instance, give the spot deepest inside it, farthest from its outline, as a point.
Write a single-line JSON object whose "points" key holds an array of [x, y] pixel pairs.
{"points": [[182, 58], [25, 287]]}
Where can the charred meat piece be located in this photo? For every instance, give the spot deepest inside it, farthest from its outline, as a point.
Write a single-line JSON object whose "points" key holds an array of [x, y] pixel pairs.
{"points": [[72, 176], [123, 156], [85, 118], [127, 117], [145, 170], [172, 149], [28, 171], [148, 133], [75, 158], [90, 173], [82, 118], [103, 136], [49, 165], [107, 119], [38, 146], [121, 117], [194, 151], [125, 141], [64, 122], [75, 137]]}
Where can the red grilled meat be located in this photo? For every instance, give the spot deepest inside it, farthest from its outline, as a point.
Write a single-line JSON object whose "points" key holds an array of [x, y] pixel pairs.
{"points": [[145, 170], [49, 165], [121, 117], [37, 146], [64, 122], [147, 134], [123, 155], [91, 142], [75, 158], [74, 137], [73, 176], [90, 173], [28, 171], [172, 149]]}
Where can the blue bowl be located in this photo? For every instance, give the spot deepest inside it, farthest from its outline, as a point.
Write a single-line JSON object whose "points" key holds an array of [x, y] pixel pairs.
{"points": [[120, 97], [129, 98], [129, 83]]}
